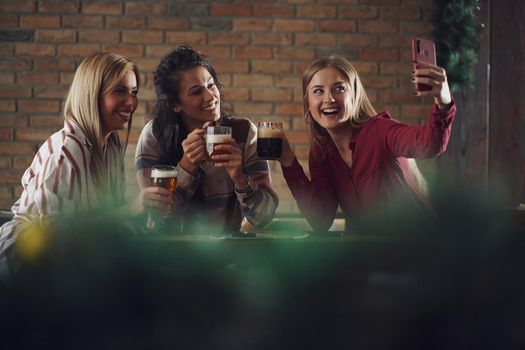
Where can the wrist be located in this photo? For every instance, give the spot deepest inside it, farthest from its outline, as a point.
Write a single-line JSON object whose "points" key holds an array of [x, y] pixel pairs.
{"points": [[241, 183], [188, 166], [287, 159], [244, 190], [442, 105]]}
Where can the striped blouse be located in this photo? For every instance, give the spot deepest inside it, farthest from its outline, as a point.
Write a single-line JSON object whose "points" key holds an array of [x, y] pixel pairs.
{"points": [[58, 182], [208, 201]]}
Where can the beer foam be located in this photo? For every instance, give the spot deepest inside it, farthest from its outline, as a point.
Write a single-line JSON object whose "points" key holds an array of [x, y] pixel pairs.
{"points": [[269, 133], [217, 138], [162, 173]]}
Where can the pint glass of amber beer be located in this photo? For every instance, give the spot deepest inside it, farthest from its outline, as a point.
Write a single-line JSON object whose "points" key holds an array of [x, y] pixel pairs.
{"points": [[161, 176], [269, 140], [216, 135]]}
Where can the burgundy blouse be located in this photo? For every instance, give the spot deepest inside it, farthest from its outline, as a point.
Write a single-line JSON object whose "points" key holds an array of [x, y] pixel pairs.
{"points": [[380, 174]]}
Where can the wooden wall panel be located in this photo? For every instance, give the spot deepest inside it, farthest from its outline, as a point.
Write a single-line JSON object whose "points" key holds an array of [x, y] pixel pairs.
{"points": [[465, 161], [507, 101]]}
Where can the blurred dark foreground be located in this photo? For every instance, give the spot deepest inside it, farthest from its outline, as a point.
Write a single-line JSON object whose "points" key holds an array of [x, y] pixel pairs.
{"points": [[456, 283]]}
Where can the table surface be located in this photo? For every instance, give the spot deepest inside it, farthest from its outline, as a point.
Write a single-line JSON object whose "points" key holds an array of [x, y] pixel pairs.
{"points": [[300, 236]]}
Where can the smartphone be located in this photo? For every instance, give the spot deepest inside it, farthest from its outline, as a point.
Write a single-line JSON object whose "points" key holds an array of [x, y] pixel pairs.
{"points": [[423, 50]]}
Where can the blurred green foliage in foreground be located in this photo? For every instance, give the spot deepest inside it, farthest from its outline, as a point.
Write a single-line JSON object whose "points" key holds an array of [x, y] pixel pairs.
{"points": [[456, 282]]}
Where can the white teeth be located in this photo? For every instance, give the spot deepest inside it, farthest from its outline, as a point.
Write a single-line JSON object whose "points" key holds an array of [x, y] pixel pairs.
{"points": [[124, 114], [330, 110]]}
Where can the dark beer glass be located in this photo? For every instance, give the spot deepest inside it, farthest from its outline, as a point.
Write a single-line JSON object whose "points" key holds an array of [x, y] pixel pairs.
{"points": [[269, 140], [161, 176], [215, 135]]}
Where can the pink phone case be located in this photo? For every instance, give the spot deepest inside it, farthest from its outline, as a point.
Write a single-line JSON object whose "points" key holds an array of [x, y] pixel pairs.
{"points": [[423, 50]]}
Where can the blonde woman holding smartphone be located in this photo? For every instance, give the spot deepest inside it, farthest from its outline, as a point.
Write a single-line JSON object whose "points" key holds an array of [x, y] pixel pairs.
{"points": [[361, 160]]}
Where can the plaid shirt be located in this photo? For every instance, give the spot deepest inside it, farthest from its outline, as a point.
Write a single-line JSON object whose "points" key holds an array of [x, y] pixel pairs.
{"points": [[208, 201]]}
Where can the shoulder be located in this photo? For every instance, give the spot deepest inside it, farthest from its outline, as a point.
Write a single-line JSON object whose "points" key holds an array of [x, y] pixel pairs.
{"points": [[381, 123], [147, 135], [65, 142], [380, 118], [73, 142], [62, 150], [238, 123], [148, 128], [74, 148], [148, 145], [241, 128]]}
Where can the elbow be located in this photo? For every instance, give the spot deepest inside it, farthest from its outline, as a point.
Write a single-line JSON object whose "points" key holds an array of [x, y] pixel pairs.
{"points": [[261, 215], [438, 149], [319, 223], [440, 145], [260, 221], [434, 149], [433, 152], [320, 226]]}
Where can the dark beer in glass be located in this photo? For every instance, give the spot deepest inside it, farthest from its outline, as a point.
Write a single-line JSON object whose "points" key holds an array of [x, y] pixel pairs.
{"points": [[269, 140]]}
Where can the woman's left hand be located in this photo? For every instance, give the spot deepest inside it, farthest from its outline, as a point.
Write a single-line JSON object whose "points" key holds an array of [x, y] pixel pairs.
{"points": [[436, 78], [231, 160]]}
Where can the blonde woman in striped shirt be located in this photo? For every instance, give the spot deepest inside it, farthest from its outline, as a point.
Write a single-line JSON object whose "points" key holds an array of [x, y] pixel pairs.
{"points": [[79, 169]]}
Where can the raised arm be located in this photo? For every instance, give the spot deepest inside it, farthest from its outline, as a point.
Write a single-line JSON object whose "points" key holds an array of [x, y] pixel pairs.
{"points": [[316, 198], [251, 178], [415, 141], [259, 207], [430, 139], [148, 154]]}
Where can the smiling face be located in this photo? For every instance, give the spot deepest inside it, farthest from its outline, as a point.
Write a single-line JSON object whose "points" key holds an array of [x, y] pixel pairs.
{"points": [[329, 98], [199, 98], [119, 103]]}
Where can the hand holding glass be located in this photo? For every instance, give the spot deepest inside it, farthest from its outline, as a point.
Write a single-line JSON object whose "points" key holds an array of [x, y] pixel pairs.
{"points": [[162, 176], [216, 135]]}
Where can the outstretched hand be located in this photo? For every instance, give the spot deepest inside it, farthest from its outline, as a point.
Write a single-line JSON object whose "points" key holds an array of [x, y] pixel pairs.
{"points": [[436, 78]]}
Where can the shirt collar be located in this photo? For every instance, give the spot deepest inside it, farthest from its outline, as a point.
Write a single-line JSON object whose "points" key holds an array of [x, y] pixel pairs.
{"points": [[330, 145], [72, 127]]}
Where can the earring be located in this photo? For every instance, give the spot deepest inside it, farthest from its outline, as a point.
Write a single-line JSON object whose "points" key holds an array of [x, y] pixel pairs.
{"points": [[308, 117]]}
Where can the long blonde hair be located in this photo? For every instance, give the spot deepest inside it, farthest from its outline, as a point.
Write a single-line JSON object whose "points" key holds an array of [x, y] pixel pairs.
{"points": [[96, 75], [362, 109]]}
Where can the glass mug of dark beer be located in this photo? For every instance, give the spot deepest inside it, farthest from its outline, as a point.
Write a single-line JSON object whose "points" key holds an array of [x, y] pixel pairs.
{"points": [[161, 176], [215, 135], [269, 140]]}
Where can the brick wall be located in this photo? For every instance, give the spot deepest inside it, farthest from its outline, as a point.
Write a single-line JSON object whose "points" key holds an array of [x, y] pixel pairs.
{"points": [[260, 49]]}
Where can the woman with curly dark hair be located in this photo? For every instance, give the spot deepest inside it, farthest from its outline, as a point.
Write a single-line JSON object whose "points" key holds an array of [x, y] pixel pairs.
{"points": [[208, 196]]}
